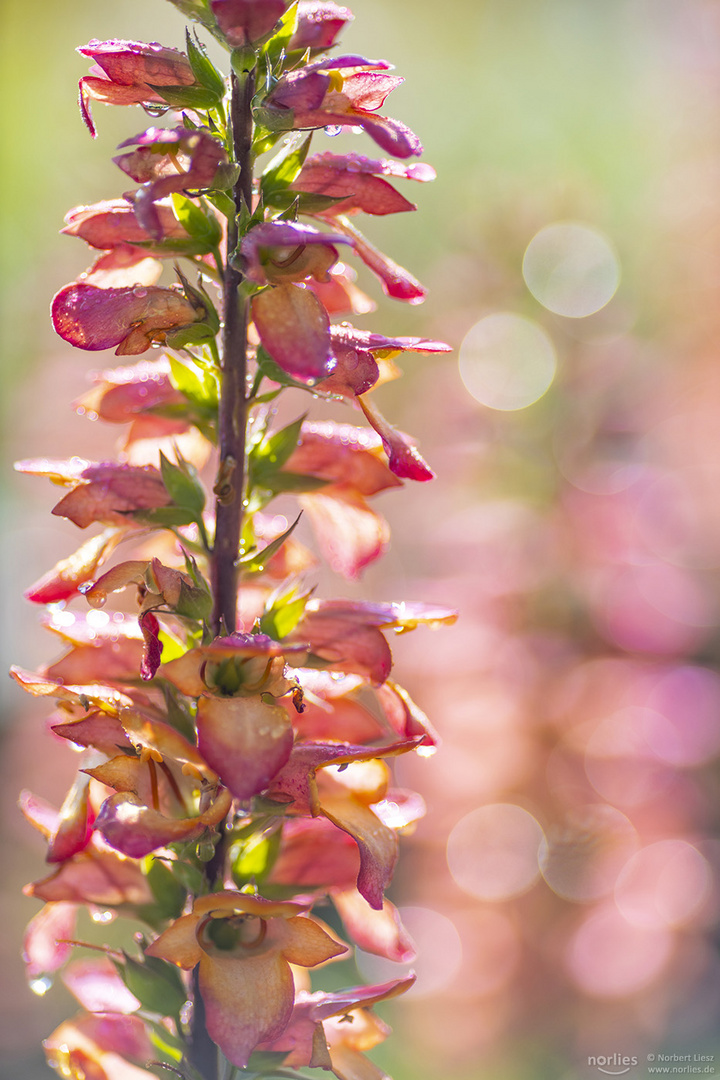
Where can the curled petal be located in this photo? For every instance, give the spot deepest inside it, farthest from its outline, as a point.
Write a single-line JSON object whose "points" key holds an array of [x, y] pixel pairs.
{"points": [[137, 830], [395, 280], [356, 371], [131, 318], [95, 877], [345, 644], [112, 222], [294, 327], [404, 458], [152, 652], [303, 941], [74, 824], [377, 844], [65, 578], [97, 1047], [244, 740], [316, 855], [178, 944], [380, 345], [111, 493], [102, 732]]}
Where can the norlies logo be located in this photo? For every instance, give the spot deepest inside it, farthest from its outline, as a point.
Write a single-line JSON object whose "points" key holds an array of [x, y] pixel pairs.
{"points": [[614, 1064]]}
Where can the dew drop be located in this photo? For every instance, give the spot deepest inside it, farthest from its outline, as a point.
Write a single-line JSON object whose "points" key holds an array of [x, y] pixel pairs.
{"points": [[140, 292], [102, 917], [156, 110], [332, 130], [186, 1013], [41, 986]]}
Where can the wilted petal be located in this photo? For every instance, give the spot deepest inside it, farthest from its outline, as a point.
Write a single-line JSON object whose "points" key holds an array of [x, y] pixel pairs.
{"points": [[245, 21], [404, 458], [380, 932], [106, 698], [44, 949], [294, 327], [152, 652], [351, 535], [319, 23], [63, 581], [404, 715], [244, 740], [131, 318]]}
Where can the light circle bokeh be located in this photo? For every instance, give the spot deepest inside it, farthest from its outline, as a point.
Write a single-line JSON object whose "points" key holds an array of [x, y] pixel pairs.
{"points": [[571, 269], [492, 852], [507, 361]]}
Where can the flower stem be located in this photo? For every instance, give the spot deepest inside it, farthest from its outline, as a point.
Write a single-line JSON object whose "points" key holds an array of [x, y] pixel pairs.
{"points": [[203, 1051], [233, 405]]}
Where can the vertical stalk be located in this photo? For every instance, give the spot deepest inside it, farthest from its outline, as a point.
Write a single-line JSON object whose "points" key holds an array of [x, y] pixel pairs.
{"points": [[232, 413], [229, 489]]}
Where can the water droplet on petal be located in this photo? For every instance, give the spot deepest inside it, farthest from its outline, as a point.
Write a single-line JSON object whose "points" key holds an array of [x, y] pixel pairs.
{"points": [[41, 986], [140, 292], [332, 130], [102, 917]]}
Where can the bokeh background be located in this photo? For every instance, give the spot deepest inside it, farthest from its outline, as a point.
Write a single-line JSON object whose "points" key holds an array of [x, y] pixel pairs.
{"points": [[563, 889]]}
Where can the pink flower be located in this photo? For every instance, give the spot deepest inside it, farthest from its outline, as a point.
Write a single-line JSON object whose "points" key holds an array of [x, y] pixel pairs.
{"points": [[112, 222], [294, 328], [319, 23], [65, 578], [125, 71], [277, 251], [244, 945], [347, 90], [132, 318]]}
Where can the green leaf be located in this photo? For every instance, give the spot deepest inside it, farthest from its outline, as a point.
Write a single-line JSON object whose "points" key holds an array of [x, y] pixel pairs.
{"points": [[304, 202], [293, 483], [275, 120], [177, 246], [155, 983], [280, 40], [188, 875], [284, 167], [195, 334], [202, 66], [168, 892], [166, 516], [283, 613], [275, 450], [255, 562], [262, 1061], [264, 139], [182, 485], [254, 858], [203, 227], [198, 384], [223, 203], [176, 714], [188, 97]]}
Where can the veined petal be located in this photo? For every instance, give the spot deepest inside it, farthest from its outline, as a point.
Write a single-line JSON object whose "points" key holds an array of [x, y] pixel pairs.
{"points": [[246, 1001], [377, 844], [244, 740], [245, 21], [303, 941], [74, 824], [178, 944], [342, 454], [63, 581]]}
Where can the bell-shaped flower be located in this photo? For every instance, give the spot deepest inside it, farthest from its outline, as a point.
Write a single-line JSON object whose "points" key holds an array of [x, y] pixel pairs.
{"points": [[318, 25], [404, 458], [64, 580], [277, 251], [124, 73], [358, 182], [169, 160], [346, 90], [132, 318], [294, 328], [396, 281], [103, 491], [244, 22], [244, 945], [112, 222]]}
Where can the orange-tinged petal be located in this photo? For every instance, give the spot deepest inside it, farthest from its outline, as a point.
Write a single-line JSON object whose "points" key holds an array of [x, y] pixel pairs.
{"points": [[244, 740], [74, 825], [246, 904], [294, 327], [379, 932], [246, 1001], [178, 943], [136, 829], [304, 942], [61, 583], [378, 845]]}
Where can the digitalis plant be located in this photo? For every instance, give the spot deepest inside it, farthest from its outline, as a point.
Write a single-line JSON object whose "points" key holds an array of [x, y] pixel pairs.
{"points": [[237, 731]]}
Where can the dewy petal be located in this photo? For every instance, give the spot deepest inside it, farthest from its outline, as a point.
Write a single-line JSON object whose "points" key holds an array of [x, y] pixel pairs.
{"points": [[178, 944], [379, 932], [246, 1001], [122, 394], [95, 876], [44, 949], [111, 493], [342, 454], [359, 189], [245, 21], [111, 222], [377, 844], [345, 643], [96, 984], [104, 733], [284, 250], [404, 458], [294, 327], [137, 830], [131, 318], [74, 824], [63, 581], [319, 23], [356, 370], [244, 740], [350, 534]]}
